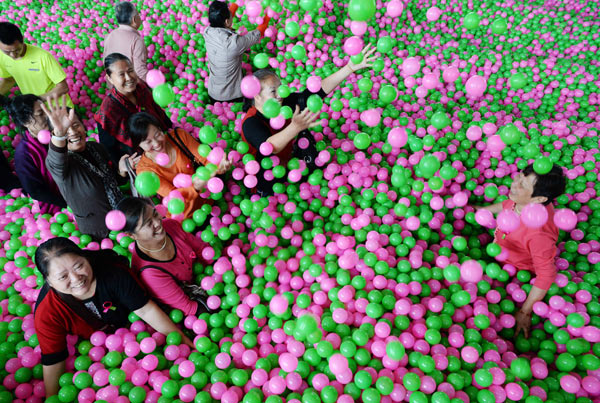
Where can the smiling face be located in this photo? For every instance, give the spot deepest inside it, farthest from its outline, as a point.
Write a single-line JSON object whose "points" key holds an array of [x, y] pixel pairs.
{"points": [[15, 50], [76, 136], [72, 274], [521, 190], [149, 227], [268, 90], [123, 77], [155, 141], [38, 120]]}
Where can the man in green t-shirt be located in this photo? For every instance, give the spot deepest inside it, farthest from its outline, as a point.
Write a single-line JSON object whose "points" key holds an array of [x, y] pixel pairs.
{"points": [[32, 69]]}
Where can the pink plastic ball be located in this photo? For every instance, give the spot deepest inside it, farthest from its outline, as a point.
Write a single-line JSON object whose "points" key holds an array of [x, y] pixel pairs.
{"points": [[397, 137], [475, 86], [115, 220], [250, 86], [371, 117], [353, 45], [162, 159], [534, 215], [471, 271], [253, 8], [313, 83], [278, 304], [215, 185], [411, 66], [44, 136], [508, 221], [565, 219], [394, 8], [154, 78], [433, 14]]}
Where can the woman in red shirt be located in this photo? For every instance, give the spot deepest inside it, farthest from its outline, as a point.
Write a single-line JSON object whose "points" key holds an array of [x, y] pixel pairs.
{"points": [[85, 291], [532, 249]]}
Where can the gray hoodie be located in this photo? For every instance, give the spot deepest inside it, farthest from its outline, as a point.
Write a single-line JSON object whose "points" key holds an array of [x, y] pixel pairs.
{"points": [[224, 50]]}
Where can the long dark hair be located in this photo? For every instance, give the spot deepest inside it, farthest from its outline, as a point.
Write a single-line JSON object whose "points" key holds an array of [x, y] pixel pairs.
{"points": [[133, 208], [57, 247], [20, 109]]}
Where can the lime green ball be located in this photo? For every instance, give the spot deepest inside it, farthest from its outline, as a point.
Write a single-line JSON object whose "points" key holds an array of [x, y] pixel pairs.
{"points": [[362, 141]]}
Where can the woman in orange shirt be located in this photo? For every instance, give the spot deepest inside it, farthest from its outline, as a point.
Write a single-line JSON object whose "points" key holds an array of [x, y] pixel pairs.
{"points": [[182, 150]]}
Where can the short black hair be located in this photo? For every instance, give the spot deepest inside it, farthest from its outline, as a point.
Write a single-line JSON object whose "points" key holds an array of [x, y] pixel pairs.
{"points": [[218, 12], [20, 108], [111, 59], [550, 185], [133, 208], [124, 12], [53, 248], [138, 125], [10, 33]]}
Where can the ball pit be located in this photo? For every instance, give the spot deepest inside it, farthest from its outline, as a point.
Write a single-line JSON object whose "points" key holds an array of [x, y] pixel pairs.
{"points": [[371, 279]]}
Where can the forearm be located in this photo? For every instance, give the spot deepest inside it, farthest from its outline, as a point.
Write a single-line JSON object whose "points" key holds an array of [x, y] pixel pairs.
{"points": [[155, 317], [330, 83], [281, 139], [6, 84], [536, 294], [52, 373], [58, 90], [494, 208]]}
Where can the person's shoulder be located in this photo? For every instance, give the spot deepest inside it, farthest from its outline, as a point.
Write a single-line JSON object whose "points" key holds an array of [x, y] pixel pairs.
{"points": [[47, 306]]}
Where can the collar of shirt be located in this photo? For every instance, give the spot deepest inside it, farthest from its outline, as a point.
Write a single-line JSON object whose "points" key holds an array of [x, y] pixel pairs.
{"points": [[128, 28]]}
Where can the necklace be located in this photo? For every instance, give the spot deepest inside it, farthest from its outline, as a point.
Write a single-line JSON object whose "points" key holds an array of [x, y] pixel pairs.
{"points": [[155, 250]]}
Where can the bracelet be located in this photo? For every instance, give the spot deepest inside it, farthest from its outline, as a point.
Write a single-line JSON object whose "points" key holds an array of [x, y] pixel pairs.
{"points": [[59, 138]]}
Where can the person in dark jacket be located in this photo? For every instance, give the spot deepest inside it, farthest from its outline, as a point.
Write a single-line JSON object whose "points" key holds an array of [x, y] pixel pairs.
{"points": [[83, 171], [30, 155], [8, 180]]}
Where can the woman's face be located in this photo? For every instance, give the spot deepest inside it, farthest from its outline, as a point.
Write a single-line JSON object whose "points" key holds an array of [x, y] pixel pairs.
{"points": [[38, 120], [149, 227], [71, 274], [76, 136], [123, 77], [268, 90], [155, 141]]}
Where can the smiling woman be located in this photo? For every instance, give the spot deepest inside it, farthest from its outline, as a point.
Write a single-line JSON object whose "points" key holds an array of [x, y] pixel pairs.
{"points": [[84, 173], [129, 95], [85, 291]]}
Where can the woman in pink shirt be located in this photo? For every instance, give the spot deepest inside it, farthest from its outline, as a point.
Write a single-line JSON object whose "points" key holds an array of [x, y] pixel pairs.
{"points": [[164, 256], [532, 249]]}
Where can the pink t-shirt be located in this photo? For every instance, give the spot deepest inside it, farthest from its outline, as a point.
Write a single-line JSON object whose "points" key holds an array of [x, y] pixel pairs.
{"points": [[532, 249], [162, 286]]}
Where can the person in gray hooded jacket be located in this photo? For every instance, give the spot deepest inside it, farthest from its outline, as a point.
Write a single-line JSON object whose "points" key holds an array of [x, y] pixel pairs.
{"points": [[224, 50]]}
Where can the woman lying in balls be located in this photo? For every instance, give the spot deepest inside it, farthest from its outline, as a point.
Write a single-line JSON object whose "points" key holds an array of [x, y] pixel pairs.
{"points": [[85, 291], [288, 139], [528, 248], [164, 256]]}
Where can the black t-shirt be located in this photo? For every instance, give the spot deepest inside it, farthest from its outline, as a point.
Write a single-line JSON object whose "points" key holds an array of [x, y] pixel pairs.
{"points": [[257, 129], [117, 295]]}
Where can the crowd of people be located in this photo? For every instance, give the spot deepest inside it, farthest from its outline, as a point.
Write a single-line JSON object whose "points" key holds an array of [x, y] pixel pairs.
{"points": [[85, 290]]}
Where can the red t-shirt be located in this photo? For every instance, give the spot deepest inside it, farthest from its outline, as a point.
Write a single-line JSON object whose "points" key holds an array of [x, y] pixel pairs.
{"points": [[54, 320], [532, 249]]}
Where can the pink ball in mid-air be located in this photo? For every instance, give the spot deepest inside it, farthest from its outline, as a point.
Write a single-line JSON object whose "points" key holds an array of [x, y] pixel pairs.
{"points": [[250, 86], [475, 86], [371, 117], [115, 220], [433, 14], [450, 74], [508, 221], [353, 45], [394, 8], [215, 185], [154, 78], [565, 219], [534, 215], [313, 83], [411, 66], [397, 137], [253, 8], [44, 136], [162, 159], [358, 28]]}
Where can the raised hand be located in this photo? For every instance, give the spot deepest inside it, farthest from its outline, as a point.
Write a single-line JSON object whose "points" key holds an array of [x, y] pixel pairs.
{"points": [[133, 159], [367, 58], [305, 119], [58, 114]]}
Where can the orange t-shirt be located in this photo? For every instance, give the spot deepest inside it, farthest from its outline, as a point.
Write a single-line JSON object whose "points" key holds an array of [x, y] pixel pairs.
{"points": [[182, 165]]}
